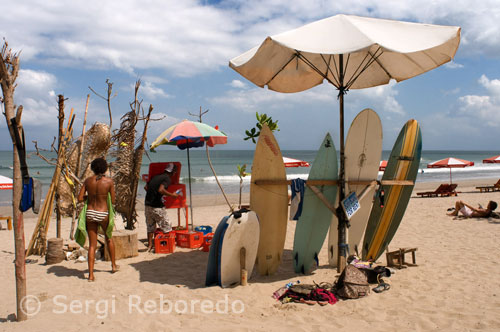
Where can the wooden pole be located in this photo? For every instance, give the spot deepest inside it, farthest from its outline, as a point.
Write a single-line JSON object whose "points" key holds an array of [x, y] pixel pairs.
{"points": [[79, 167], [9, 69], [60, 137]]}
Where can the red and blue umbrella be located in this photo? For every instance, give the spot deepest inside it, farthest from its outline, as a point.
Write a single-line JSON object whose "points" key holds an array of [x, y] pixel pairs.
{"points": [[189, 134]]}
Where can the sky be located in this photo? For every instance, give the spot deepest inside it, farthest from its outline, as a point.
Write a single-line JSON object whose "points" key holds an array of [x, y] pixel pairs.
{"points": [[180, 51]]}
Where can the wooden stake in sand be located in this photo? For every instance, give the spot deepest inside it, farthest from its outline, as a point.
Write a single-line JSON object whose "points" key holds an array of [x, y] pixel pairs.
{"points": [[38, 241]]}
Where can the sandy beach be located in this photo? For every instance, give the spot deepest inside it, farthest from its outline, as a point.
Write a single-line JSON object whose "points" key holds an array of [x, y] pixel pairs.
{"points": [[455, 287]]}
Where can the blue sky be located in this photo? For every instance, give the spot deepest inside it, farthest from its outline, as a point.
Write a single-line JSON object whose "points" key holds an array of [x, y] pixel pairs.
{"points": [[180, 51]]}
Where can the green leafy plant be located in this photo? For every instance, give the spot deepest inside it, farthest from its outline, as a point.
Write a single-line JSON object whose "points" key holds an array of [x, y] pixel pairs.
{"points": [[241, 173], [262, 119]]}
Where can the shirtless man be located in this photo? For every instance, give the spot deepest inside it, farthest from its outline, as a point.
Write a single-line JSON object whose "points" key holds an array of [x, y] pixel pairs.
{"points": [[472, 212], [97, 188]]}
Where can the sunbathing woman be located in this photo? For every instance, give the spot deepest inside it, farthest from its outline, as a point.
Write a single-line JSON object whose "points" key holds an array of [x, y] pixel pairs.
{"points": [[472, 212], [97, 188]]}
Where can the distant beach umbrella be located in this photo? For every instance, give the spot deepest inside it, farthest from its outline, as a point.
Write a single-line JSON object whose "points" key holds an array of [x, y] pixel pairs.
{"points": [[492, 160], [290, 162], [450, 163], [189, 134], [5, 183], [383, 165]]}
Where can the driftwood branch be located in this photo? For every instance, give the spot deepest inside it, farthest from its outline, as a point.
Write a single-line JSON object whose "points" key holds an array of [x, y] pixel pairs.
{"points": [[107, 99], [9, 69]]}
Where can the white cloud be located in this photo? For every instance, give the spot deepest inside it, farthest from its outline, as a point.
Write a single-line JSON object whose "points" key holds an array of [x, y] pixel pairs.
{"points": [[453, 65], [187, 37], [483, 110], [153, 92], [238, 84]]}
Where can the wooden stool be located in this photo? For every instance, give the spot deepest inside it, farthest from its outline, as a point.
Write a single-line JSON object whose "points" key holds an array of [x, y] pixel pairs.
{"points": [[9, 222], [126, 245], [397, 258]]}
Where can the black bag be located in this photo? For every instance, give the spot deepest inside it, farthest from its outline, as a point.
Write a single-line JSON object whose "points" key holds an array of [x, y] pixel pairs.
{"points": [[352, 283]]}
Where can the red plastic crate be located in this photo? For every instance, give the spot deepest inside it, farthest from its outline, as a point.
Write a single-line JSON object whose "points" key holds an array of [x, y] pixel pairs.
{"points": [[207, 241], [164, 242], [189, 239]]}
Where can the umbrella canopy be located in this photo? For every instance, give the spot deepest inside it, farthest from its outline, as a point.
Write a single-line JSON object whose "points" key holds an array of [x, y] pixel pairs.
{"points": [[290, 162], [375, 51], [492, 160], [5, 182], [188, 134], [450, 163], [349, 52], [383, 165]]}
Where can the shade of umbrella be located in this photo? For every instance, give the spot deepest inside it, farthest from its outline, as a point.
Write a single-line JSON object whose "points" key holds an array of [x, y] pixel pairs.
{"points": [[383, 165], [349, 52], [291, 162], [188, 134], [492, 160], [5, 182], [450, 163]]}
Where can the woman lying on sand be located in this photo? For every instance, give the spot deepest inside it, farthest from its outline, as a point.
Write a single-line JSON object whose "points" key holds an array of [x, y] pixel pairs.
{"points": [[469, 211]]}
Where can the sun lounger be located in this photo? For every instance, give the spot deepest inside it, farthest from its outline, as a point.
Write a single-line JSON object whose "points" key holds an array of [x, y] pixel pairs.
{"points": [[442, 190], [495, 187]]}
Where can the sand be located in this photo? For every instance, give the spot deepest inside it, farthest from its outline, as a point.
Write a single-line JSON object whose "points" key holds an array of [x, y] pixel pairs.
{"points": [[455, 287]]}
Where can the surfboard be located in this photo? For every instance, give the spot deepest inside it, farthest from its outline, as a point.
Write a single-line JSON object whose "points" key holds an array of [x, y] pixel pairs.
{"points": [[363, 150], [269, 201], [213, 276], [242, 232], [312, 226], [385, 218]]}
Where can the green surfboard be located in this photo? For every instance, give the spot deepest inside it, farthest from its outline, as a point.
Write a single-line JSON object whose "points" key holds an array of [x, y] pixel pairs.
{"points": [[386, 214], [314, 221]]}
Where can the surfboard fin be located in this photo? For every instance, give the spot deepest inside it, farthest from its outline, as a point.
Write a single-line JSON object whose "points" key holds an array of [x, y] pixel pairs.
{"points": [[296, 258], [302, 269], [331, 251], [316, 258]]}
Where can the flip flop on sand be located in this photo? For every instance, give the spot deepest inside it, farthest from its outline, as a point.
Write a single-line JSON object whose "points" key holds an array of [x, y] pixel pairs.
{"points": [[382, 287]]}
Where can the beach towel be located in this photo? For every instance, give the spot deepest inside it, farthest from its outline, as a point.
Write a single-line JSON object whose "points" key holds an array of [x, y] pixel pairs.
{"points": [[297, 186], [81, 230]]}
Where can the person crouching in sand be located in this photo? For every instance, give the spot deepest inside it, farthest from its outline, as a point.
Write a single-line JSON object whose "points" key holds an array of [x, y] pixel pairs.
{"points": [[97, 188], [469, 211]]}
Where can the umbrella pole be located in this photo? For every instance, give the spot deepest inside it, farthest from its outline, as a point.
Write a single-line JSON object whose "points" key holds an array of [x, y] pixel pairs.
{"points": [[190, 194], [450, 177], [341, 258]]}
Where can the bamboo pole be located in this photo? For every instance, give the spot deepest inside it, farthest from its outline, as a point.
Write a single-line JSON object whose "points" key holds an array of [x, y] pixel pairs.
{"points": [[78, 166], [37, 242], [60, 137]]}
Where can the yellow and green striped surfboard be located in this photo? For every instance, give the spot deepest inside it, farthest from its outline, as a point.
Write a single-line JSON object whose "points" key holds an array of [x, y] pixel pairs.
{"points": [[384, 219]]}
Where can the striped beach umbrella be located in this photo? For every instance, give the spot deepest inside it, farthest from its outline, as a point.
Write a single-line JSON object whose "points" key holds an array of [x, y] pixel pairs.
{"points": [[189, 134], [5, 182], [383, 165], [291, 162], [450, 163], [492, 160]]}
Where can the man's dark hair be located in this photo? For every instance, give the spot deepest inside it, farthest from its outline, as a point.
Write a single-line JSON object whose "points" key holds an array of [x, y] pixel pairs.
{"points": [[493, 205], [99, 166]]}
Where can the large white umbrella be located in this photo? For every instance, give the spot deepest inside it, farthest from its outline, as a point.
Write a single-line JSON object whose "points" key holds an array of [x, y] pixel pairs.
{"points": [[349, 52]]}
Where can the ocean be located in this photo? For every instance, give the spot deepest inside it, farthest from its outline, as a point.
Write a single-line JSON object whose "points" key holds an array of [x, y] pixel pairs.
{"points": [[225, 164]]}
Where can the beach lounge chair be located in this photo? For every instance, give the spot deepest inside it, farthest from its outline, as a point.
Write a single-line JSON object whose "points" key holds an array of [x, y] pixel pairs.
{"points": [[442, 190], [495, 187]]}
